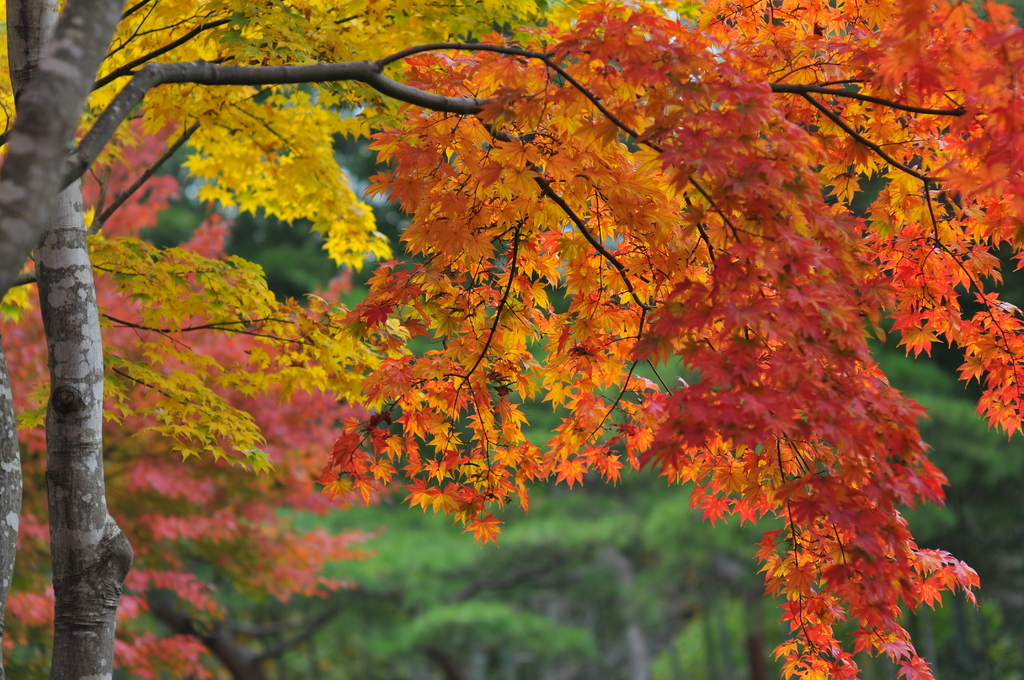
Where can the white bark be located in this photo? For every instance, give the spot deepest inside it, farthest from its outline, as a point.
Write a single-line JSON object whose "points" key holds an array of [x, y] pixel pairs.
{"points": [[91, 556], [29, 25], [10, 491], [49, 110]]}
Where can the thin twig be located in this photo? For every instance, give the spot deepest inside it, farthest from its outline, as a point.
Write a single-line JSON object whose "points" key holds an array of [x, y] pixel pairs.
{"points": [[223, 326], [143, 383], [702, 231], [546, 189], [141, 179], [721, 213], [658, 376], [635, 135], [513, 268], [595, 101], [128, 69], [625, 383], [466, 46]]}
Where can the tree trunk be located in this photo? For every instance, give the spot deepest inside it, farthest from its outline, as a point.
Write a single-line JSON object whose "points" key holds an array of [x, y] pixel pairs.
{"points": [[242, 664], [449, 669], [707, 617], [29, 24], [754, 615], [636, 640], [10, 491], [91, 556], [49, 110]]}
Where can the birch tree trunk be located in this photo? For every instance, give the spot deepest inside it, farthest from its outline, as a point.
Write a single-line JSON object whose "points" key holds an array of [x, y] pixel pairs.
{"points": [[10, 491], [91, 556], [49, 110], [29, 25]]}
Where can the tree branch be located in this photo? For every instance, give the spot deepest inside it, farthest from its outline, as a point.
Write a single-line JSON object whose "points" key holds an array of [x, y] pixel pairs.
{"points": [[848, 129], [127, 69], [546, 189], [224, 326], [238, 660], [49, 111], [205, 73], [133, 9], [309, 630], [512, 271], [596, 102], [444, 663], [468, 47], [783, 88]]}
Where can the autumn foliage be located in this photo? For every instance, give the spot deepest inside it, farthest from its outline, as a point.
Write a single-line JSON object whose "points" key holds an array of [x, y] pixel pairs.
{"points": [[741, 194], [640, 188], [201, 522]]}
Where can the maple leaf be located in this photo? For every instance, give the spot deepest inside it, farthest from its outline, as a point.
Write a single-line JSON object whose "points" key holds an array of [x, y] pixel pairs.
{"points": [[570, 471], [485, 528]]}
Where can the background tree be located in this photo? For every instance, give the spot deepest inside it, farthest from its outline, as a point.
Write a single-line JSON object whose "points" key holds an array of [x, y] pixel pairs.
{"points": [[202, 529]]}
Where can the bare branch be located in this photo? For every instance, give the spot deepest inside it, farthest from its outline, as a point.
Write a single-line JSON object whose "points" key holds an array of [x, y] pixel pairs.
{"points": [[546, 189], [206, 73], [238, 660], [24, 279], [783, 88], [141, 179], [444, 663], [309, 629], [223, 326], [133, 9]]}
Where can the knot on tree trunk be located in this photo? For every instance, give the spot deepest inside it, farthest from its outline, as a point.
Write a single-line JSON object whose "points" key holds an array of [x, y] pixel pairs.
{"points": [[115, 553], [93, 592], [66, 399]]}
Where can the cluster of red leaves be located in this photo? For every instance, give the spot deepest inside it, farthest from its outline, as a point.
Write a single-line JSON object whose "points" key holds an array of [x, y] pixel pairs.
{"points": [[643, 189], [179, 514]]}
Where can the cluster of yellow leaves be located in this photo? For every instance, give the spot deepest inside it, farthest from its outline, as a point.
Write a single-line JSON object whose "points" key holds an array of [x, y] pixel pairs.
{"points": [[15, 303], [272, 149], [174, 292]]}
